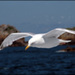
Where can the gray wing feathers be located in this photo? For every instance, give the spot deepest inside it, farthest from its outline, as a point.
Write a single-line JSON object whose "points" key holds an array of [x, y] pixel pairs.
{"points": [[13, 37], [61, 31], [57, 32]]}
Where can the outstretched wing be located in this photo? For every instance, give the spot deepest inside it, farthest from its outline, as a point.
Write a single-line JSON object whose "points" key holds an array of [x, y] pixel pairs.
{"points": [[13, 37], [57, 32]]}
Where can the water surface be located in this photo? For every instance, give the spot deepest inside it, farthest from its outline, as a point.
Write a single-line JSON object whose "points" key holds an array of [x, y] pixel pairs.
{"points": [[15, 60]]}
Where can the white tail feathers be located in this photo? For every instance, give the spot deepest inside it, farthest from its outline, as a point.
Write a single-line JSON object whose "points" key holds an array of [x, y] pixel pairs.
{"points": [[66, 41]]}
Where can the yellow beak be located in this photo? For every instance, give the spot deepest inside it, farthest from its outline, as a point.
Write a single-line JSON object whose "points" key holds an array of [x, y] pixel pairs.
{"points": [[27, 47]]}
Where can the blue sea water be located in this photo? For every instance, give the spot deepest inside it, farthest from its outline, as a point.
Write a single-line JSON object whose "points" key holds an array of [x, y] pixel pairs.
{"points": [[36, 61]]}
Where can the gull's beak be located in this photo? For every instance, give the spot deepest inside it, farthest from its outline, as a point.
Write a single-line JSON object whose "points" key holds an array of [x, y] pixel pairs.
{"points": [[27, 47]]}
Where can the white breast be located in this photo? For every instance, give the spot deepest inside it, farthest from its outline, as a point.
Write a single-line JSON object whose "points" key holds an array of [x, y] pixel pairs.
{"points": [[47, 43]]}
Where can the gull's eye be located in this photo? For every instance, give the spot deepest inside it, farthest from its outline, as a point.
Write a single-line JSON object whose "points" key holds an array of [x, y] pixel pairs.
{"points": [[32, 43]]}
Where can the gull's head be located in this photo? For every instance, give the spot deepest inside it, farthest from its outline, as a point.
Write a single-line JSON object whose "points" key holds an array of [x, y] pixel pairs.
{"points": [[30, 43], [34, 41]]}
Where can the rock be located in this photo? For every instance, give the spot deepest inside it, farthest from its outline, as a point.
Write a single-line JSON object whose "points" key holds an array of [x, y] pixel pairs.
{"points": [[5, 30], [68, 36], [68, 49]]}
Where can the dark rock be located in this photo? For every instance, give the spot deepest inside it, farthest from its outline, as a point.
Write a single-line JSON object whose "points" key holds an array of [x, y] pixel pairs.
{"points": [[68, 49], [68, 36]]}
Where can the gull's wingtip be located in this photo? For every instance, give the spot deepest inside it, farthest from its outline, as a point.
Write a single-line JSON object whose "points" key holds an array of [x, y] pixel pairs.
{"points": [[0, 49]]}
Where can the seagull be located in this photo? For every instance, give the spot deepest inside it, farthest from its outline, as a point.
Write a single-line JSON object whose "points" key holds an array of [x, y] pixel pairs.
{"points": [[42, 40]]}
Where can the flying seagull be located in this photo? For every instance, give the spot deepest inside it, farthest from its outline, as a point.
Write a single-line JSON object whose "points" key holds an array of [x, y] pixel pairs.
{"points": [[43, 40]]}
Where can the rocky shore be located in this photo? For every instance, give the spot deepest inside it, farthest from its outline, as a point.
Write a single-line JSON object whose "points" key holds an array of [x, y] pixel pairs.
{"points": [[5, 30], [68, 36]]}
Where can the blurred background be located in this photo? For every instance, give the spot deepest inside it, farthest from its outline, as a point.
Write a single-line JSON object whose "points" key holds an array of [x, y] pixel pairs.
{"points": [[37, 16]]}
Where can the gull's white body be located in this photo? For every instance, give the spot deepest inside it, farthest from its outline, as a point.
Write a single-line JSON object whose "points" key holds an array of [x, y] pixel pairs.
{"points": [[44, 43], [45, 40]]}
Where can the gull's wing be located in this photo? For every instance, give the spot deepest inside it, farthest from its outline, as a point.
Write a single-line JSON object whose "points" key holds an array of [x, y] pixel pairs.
{"points": [[13, 37], [51, 37], [57, 32]]}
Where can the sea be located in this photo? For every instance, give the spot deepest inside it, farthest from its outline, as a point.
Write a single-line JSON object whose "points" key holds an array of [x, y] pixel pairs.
{"points": [[36, 61]]}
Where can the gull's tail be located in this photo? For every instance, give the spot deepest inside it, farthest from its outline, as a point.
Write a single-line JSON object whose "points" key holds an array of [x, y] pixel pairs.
{"points": [[65, 41]]}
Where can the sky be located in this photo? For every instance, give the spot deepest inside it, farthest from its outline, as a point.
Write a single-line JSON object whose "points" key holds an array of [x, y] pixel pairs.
{"points": [[37, 16]]}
